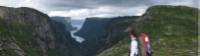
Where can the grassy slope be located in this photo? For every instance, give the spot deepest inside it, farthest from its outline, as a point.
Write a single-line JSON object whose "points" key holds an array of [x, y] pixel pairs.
{"points": [[120, 49], [172, 30]]}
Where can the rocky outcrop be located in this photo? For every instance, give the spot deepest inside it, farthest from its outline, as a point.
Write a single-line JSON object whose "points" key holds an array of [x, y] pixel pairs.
{"points": [[27, 32]]}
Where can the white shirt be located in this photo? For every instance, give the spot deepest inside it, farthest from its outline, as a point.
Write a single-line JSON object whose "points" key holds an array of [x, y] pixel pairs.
{"points": [[134, 46]]}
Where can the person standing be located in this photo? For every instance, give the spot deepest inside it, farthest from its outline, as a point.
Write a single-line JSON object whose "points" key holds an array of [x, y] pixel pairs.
{"points": [[134, 45], [148, 51]]}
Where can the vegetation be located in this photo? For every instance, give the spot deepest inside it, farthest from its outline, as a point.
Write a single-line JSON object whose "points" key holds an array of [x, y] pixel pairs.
{"points": [[19, 33], [120, 49], [173, 31], [26, 32]]}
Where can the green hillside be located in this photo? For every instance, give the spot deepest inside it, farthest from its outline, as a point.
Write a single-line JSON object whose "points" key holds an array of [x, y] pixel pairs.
{"points": [[173, 31], [27, 32]]}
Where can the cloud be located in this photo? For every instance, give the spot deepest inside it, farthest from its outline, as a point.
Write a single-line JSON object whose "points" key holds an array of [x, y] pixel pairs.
{"points": [[94, 8], [191, 3], [110, 8], [104, 11], [36, 4], [90, 4]]}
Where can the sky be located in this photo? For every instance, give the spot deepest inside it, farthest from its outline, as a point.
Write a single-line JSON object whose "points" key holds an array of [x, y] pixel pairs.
{"points": [[80, 9]]}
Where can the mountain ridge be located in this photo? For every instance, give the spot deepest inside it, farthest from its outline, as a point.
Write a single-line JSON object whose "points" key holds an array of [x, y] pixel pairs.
{"points": [[174, 28], [28, 32]]}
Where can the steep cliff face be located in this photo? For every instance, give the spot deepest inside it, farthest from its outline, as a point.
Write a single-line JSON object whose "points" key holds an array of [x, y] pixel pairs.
{"points": [[26, 32], [66, 45], [66, 21], [102, 33]]}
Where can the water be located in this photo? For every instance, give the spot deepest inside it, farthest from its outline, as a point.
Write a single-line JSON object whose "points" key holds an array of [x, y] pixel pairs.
{"points": [[77, 23]]}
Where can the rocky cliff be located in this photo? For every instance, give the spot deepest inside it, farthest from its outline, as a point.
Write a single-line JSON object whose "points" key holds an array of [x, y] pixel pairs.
{"points": [[27, 32], [102, 33]]}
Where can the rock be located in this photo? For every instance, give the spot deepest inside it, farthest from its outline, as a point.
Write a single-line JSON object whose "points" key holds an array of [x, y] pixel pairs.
{"points": [[27, 32]]}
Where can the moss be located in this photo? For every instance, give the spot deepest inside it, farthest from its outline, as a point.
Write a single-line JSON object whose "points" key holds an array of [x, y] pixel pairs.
{"points": [[172, 31]]}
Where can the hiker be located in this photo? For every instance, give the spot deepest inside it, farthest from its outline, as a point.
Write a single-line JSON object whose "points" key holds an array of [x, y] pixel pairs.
{"points": [[134, 45], [147, 47]]}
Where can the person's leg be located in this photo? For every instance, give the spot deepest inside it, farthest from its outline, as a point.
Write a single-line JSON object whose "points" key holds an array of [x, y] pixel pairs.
{"points": [[149, 54], [131, 54]]}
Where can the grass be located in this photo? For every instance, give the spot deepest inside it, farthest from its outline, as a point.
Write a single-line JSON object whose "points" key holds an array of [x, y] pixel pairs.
{"points": [[173, 31], [120, 49]]}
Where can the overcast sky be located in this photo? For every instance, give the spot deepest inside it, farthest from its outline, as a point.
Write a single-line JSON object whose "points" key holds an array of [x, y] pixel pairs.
{"points": [[79, 9]]}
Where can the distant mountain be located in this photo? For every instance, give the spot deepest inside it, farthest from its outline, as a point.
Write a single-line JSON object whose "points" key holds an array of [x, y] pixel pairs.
{"points": [[102, 33], [28, 32], [173, 31], [77, 23], [63, 37], [64, 20], [99, 33]]}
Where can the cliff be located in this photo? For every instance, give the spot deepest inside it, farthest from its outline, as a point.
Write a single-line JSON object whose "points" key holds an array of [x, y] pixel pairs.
{"points": [[27, 32], [102, 33]]}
